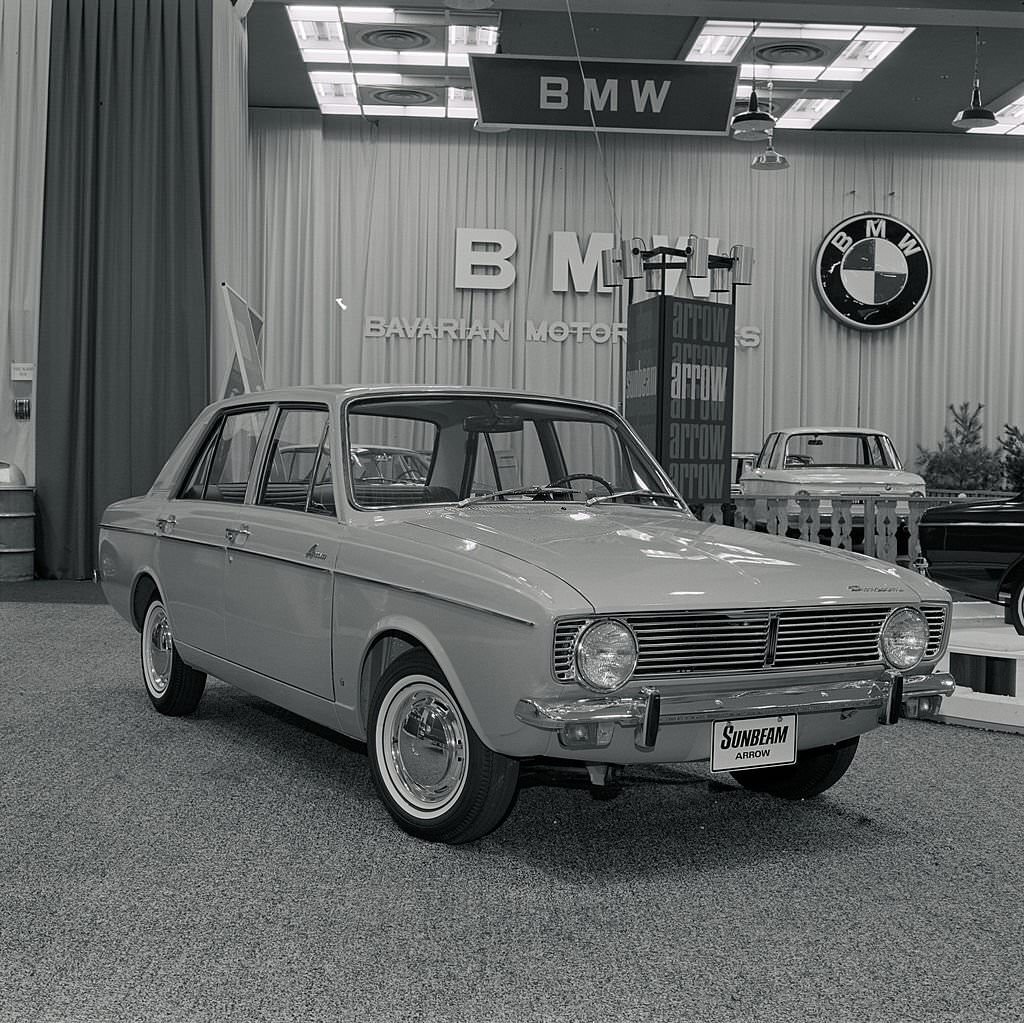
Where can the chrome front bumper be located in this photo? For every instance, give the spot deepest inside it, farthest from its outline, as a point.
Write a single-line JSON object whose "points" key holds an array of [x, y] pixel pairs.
{"points": [[648, 711]]}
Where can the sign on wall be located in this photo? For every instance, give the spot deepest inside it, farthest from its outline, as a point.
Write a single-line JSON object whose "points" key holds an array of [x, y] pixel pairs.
{"points": [[679, 390], [613, 95], [872, 272]]}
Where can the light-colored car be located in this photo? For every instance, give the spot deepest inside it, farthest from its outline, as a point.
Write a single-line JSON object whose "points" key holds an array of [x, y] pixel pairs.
{"points": [[742, 463], [544, 592], [827, 462]]}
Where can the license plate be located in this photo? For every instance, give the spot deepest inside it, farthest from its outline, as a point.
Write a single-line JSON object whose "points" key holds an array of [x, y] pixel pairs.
{"points": [[753, 742]]}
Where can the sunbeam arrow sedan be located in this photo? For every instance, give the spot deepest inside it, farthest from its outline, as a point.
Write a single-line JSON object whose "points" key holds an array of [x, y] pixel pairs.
{"points": [[539, 590]]}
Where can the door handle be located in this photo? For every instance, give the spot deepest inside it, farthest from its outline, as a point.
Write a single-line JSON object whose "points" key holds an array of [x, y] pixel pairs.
{"points": [[232, 535], [165, 523]]}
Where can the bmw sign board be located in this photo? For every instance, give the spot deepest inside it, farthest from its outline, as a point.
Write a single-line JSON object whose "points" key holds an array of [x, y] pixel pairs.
{"points": [[872, 272]]}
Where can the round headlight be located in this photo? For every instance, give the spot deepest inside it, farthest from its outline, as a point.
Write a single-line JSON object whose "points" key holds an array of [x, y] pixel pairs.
{"points": [[904, 637], [606, 655]]}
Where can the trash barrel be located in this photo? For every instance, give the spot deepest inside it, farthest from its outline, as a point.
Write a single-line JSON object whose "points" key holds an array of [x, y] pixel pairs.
{"points": [[17, 532]]}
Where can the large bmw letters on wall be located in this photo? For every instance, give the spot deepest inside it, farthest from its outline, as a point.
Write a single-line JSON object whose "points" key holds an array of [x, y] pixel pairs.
{"points": [[872, 272]]}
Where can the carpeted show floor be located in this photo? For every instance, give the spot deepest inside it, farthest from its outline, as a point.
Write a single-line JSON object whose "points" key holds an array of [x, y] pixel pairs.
{"points": [[237, 866]]}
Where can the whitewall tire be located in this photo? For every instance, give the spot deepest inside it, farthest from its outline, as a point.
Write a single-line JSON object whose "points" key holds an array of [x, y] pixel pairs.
{"points": [[431, 771], [173, 687]]}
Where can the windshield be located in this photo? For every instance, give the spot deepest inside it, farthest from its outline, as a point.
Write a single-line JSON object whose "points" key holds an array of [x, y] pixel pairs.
{"points": [[455, 448], [840, 451]]}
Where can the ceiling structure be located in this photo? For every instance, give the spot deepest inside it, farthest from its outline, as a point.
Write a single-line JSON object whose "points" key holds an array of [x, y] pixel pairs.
{"points": [[918, 87]]}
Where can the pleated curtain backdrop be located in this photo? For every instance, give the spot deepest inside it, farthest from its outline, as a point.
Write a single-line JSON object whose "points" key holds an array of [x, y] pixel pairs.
{"points": [[24, 69], [368, 213], [124, 325], [229, 179]]}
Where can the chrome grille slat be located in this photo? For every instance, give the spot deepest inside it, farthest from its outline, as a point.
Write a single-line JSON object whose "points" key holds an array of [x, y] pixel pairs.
{"points": [[712, 642]]}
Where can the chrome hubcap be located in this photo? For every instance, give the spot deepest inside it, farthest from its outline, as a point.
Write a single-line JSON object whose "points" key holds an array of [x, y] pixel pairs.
{"points": [[157, 650], [422, 739]]}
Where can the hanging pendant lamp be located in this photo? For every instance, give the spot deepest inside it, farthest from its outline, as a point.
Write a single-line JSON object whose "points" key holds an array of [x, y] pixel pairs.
{"points": [[975, 115], [769, 160], [753, 124]]}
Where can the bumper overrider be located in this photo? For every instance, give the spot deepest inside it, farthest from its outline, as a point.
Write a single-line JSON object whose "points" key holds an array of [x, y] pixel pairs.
{"points": [[893, 695]]}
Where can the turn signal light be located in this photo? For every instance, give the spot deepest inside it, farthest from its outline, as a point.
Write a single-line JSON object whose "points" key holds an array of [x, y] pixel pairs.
{"points": [[587, 735]]}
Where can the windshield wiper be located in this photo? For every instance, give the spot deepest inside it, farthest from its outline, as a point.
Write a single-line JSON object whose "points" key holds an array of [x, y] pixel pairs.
{"points": [[513, 492], [601, 498]]}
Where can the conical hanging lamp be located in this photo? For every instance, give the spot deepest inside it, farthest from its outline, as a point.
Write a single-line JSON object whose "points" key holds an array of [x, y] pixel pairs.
{"points": [[753, 124], [975, 115]]}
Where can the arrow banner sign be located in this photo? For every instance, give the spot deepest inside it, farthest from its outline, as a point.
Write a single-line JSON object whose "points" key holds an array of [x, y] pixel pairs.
{"points": [[615, 95]]}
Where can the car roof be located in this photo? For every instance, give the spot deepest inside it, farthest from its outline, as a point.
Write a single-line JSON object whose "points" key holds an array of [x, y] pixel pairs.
{"points": [[339, 392], [829, 429]]}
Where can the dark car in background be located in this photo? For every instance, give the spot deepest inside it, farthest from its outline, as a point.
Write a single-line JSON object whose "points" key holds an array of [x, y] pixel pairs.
{"points": [[978, 550]]}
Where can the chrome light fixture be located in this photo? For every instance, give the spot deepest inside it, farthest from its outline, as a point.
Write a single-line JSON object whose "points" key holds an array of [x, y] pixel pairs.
{"points": [[769, 160], [975, 115], [754, 124]]}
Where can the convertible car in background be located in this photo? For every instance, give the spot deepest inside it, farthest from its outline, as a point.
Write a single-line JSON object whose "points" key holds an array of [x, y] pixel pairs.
{"points": [[978, 550], [536, 588]]}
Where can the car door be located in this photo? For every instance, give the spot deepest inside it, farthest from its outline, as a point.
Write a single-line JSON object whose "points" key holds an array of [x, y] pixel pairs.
{"points": [[980, 545], [193, 527], [278, 583]]}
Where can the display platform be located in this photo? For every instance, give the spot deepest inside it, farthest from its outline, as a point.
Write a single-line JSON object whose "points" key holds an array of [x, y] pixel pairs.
{"points": [[986, 657]]}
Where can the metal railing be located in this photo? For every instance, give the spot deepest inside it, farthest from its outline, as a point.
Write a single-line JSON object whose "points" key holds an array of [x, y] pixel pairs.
{"points": [[869, 525]]}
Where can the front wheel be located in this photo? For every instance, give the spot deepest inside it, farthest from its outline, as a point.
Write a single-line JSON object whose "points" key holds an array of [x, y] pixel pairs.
{"points": [[1015, 609], [172, 686], [432, 773], [814, 771]]}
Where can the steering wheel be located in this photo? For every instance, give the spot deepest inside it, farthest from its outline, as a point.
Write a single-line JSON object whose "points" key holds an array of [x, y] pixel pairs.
{"points": [[554, 484], [409, 474]]}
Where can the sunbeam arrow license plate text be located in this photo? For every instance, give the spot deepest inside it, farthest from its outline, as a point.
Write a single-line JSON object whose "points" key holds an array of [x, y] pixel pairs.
{"points": [[753, 742]]}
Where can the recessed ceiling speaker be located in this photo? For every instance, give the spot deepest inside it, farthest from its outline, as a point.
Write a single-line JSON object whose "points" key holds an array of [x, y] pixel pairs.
{"points": [[394, 38], [403, 97], [789, 53]]}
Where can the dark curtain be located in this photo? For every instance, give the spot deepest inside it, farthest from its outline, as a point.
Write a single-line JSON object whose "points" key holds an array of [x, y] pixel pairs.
{"points": [[123, 334]]}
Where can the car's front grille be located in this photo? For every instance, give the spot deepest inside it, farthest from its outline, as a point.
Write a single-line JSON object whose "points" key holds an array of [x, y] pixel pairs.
{"points": [[703, 642]]}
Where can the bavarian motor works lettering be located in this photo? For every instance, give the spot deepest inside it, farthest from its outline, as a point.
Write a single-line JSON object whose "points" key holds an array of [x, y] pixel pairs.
{"points": [[420, 328]]}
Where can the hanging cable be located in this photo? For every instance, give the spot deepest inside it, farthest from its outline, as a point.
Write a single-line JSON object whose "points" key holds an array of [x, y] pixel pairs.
{"points": [[616, 224]]}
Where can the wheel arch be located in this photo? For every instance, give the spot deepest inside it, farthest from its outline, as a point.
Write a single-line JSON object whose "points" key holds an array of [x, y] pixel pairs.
{"points": [[1013, 575], [144, 588], [391, 639]]}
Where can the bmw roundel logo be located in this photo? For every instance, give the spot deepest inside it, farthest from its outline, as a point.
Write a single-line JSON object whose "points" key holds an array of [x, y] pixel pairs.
{"points": [[872, 272]]}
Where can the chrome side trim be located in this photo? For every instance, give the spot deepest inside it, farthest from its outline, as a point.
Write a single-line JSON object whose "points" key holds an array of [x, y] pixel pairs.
{"points": [[978, 525], [189, 539], [126, 529], [436, 596], [294, 562]]}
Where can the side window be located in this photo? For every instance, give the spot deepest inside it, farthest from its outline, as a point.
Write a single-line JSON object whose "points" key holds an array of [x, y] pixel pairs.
{"points": [[299, 472], [233, 456]]}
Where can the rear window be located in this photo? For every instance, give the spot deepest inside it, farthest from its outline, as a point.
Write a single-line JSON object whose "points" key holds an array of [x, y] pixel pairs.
{"points": [[222, 469]]}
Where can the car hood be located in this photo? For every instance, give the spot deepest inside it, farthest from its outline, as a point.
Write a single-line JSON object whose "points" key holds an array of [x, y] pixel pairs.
{"points": [[841, 481], [621, 558]]}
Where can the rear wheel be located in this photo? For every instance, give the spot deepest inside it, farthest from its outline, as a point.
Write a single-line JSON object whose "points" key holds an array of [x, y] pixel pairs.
{"points": [[433, 774], [172, 686], [815, 771]]}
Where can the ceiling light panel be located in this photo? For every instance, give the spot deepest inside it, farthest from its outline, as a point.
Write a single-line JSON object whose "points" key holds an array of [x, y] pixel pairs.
{"points": [[419, 42], [793, 53], [318, 33], [720, 41], [806, 113]]}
